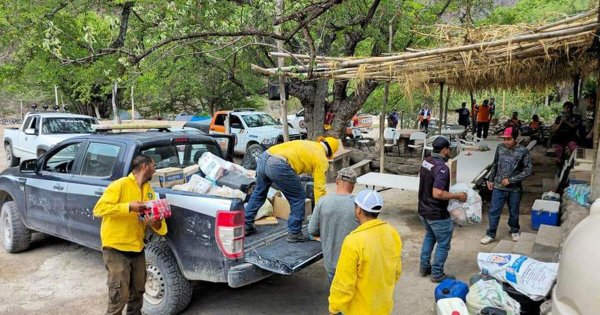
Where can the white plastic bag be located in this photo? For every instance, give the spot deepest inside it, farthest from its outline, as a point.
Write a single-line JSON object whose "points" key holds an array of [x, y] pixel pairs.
{"points": [[465, 212], [196, 184], [215, 167], [226, 192], [484, 293], [528, 276], [265, 210]]}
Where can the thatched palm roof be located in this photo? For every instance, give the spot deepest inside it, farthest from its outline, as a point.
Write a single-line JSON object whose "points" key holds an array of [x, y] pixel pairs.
{"points": [[533, 57]]}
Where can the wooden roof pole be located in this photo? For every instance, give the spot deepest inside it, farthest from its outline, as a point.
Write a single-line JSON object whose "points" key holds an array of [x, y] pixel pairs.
{"points": [[595, 184]]}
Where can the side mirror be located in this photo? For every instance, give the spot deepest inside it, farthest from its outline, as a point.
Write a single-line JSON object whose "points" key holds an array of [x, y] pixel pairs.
{"points": [[30, 131], [29, 166]]}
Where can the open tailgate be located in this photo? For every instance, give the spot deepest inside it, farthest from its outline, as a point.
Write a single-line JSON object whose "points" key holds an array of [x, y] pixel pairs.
{"points": [[268, 250]]}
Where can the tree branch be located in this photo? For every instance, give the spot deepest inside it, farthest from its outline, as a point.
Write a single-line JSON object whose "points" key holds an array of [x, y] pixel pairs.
{"points": [[52, 13], [120, 40]]}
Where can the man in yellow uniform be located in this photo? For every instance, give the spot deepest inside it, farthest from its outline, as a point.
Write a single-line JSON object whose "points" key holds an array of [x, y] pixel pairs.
{"points": [[370, 262], [122, 235], [280, 165]]}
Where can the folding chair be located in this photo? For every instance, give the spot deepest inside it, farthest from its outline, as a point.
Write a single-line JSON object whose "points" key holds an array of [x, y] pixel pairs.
{"points": [[389, 137], [428, 145]]}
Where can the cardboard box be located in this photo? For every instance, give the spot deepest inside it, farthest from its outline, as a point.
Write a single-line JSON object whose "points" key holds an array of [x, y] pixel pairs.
{"points": [[170, 176], [281, 207], [452, 165], [154, 182], [267, 221], [189, 171]]}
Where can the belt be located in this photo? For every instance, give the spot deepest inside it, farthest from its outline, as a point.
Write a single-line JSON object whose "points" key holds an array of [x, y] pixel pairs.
{"points": [[277, 156]]}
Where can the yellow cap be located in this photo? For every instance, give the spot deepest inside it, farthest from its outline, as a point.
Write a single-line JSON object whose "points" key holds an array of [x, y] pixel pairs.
{"points": [[332, 143]]}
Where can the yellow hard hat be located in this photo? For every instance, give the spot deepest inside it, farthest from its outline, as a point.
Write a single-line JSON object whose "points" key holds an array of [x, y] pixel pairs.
{"points": [[331, 143]]}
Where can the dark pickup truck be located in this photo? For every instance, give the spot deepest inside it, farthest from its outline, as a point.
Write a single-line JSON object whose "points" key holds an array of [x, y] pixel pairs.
{"points": [[56, 194]]}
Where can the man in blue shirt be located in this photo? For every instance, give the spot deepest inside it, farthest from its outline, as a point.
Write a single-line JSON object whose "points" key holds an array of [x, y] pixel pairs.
{"points": [[434, 183]]}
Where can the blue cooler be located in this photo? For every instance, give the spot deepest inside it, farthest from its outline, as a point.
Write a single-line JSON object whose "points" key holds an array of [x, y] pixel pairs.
{"points": [[544, 212]]}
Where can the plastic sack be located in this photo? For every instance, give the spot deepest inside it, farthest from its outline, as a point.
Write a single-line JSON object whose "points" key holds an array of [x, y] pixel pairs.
{"points": [[226, 192], [528, 276], [489, 293], [465, 212], [550, 195], [579, 193], [196, 184], [215, 167], [265, 210]]}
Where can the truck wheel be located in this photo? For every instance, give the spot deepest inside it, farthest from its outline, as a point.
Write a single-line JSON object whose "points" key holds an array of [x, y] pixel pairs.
{"points": [[252, 154], [11, 160], [15, 236], [167, 291]]}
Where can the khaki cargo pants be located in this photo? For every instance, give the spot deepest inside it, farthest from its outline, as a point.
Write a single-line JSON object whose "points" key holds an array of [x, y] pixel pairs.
{"points": [[126, 280]]}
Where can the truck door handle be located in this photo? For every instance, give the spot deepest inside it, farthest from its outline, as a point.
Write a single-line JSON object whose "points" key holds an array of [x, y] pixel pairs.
{"points": [[58, 187], [99, 192]]}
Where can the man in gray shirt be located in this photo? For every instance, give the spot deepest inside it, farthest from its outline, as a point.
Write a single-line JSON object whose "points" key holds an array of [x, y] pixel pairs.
{"points": [[333, 219]]}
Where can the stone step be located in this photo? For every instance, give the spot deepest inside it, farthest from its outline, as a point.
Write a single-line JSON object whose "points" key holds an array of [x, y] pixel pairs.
{"points": [[504, 246], [547, 243], [524, 246]]}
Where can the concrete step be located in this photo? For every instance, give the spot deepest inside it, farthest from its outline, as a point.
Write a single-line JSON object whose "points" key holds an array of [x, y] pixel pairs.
{"points": [[504, 246], [524, 246], [547, 243]]}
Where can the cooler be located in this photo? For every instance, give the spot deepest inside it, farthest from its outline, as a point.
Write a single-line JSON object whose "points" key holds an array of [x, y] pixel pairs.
{"points": [[544, 212]]}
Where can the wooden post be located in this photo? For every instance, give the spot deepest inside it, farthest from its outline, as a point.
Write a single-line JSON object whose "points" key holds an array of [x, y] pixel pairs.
{"points": [[56, 95], [473, 117], [446, 107], [280, 64], [21, 110], [384, 107], [595, 183], [441, 107], [114, 104], [576, 79], [132, 105]]}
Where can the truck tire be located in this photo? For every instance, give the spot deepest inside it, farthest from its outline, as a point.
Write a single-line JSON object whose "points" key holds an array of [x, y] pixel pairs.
{"points": [[167, 290], [252, 153], [15, 236], [11, 159]]}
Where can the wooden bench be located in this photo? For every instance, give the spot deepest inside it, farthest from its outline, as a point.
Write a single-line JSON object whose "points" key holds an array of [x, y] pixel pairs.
{"points": [[362, 167]]}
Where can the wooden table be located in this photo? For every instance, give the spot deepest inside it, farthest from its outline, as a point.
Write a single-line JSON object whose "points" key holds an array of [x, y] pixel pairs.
{"points": [[389, 181]]}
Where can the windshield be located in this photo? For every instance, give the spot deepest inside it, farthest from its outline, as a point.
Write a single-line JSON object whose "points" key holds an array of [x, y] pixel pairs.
{"points": [[180, 155], [258, 120], [69, 125]]}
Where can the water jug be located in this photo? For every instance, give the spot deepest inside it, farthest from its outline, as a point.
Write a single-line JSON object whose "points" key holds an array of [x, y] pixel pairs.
{"points": [[451, 306], [450, 288], [484, 275]]}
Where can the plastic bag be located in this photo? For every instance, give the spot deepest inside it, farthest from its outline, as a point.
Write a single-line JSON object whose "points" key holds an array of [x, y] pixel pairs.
{"points": [[265, 210], [528, 276], [155, 210], [196, 184], [550, 195], [465, 212], [579, 193], [484, 293], [226, 192], [215, 167]]}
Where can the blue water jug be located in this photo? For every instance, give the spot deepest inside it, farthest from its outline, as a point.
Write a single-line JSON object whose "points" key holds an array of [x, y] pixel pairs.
{"points": [[451, 288]]}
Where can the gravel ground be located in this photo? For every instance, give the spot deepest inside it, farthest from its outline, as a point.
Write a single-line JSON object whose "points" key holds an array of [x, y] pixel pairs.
{"points": [[58, 277]]}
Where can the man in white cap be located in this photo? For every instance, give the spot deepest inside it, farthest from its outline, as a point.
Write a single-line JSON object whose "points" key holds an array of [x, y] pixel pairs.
{"points": [[367, 271], [333, 219]]}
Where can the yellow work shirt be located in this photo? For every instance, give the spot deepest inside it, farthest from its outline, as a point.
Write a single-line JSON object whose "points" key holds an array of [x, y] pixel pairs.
{"points": [[305, 156], [369, 266], [121, 229]]}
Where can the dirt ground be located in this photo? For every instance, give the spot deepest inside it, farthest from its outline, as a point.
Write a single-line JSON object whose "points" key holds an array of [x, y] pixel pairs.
{"points": [[58, 277]]}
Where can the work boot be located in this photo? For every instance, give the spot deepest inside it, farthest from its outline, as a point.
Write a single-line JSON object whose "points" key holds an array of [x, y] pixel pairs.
{"points": [[296, 237], [249, 229], [442, 278], [424, 272]]}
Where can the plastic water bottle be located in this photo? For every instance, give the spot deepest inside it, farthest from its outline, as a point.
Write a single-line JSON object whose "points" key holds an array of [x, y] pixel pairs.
{"points": [[484, 275]]}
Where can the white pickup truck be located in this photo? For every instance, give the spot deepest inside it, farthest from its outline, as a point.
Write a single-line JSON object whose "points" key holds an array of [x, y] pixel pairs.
{"points": [[40, 131]]}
